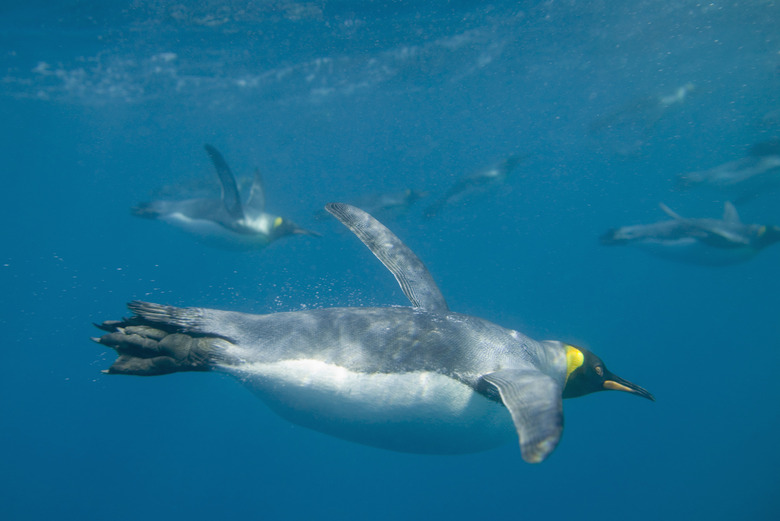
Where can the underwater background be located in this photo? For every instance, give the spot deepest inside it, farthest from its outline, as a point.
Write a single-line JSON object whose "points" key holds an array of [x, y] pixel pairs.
{"points": [[105, 104]]}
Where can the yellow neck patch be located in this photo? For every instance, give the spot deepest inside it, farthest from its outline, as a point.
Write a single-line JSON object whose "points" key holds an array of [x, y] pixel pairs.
{"points": [[574, 359], [277, 222]]}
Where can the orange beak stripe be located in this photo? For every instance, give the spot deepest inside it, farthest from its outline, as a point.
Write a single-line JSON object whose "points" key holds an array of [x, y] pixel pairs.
{"points": [[614, 386]]}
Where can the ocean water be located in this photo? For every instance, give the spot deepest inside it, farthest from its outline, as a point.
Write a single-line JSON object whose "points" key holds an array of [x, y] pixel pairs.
{"points": [[105, 104]]}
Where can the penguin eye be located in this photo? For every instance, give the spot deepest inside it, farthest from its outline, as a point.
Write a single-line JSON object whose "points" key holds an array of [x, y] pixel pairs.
{"points": [[599, 370]]}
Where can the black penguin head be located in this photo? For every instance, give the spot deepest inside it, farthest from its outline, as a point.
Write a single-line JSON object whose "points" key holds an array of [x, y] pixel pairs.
{"points": [[767, 235], [586, 373], [283, 227]]}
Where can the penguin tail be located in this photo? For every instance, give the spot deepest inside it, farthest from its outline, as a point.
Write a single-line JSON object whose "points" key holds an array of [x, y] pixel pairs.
{"points": [[155, 341], [145, 210]]}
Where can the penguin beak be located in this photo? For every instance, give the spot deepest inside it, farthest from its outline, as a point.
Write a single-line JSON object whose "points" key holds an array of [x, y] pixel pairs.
{"points": [[302, 231], [613, 382]]}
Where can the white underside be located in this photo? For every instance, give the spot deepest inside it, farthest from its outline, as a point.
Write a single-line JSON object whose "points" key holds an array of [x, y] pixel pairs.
{"points": [[215, 234], [694, 252], [419, 412]]}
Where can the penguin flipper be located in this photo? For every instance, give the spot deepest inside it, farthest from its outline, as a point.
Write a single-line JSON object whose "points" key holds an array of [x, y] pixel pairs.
{"points": [[535, 402], [255, 203], [725, 236], [414, 278], [230, 196], [671, 213], [722, 238], [730, 214]]}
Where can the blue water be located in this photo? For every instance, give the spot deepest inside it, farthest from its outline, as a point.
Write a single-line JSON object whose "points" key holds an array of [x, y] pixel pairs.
{"points": [[105, 104]]}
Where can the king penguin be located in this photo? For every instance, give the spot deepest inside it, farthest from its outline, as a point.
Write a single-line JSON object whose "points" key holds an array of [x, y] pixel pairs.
{"points": [[742, 179], [227, 222], [476, 182], [419, 379], [711, 242]]}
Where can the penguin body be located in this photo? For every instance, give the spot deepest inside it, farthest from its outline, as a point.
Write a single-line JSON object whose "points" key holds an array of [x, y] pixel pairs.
{"points": [[418, 379]]}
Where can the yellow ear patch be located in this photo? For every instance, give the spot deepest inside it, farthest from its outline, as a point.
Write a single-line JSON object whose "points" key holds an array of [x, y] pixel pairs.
{"points": [[761, 231], [277, 222], [574, 359]]}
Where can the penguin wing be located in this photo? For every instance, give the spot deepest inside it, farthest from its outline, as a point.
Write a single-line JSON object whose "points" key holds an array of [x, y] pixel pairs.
{"points": [[230, 196], [410, 272], [255, 203], [722, 237], [709, 231], [535, 402], [671, 213], [728, 233], [730, 214]]}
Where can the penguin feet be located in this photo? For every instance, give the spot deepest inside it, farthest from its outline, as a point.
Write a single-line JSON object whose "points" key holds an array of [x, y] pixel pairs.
{"points": [[146, 210], [612, 237], [147, 350]]}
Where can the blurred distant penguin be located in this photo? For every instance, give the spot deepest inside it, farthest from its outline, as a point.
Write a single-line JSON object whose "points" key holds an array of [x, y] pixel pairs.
{"points": [[384, 203], [226, 222], [698, 241], [628, 127], [480, 180], [418, 379], [742, 179]]}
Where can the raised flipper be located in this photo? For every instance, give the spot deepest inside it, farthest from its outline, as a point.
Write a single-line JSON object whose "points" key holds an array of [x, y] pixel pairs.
{"points": [[671, 213], [535, 402], [710, 231], [726, 236], [255, 203], [410, 272], [714, 233], [146, 349], [730, 214], [230, 195]]}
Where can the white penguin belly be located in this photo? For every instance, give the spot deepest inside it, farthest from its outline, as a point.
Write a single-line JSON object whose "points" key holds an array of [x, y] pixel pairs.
{"points": [[694, 252], [214, 234], [418, 412], [202, 227]]}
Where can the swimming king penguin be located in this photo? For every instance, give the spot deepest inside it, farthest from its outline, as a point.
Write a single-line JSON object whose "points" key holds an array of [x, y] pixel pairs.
{"points": [[227, 222], [713, 242], [418, 379], [476, 182], [743, 179]]}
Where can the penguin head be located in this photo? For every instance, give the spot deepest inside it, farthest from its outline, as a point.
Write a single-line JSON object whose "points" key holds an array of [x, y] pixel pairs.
{"points": [[766, 236], [586, 373]]}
